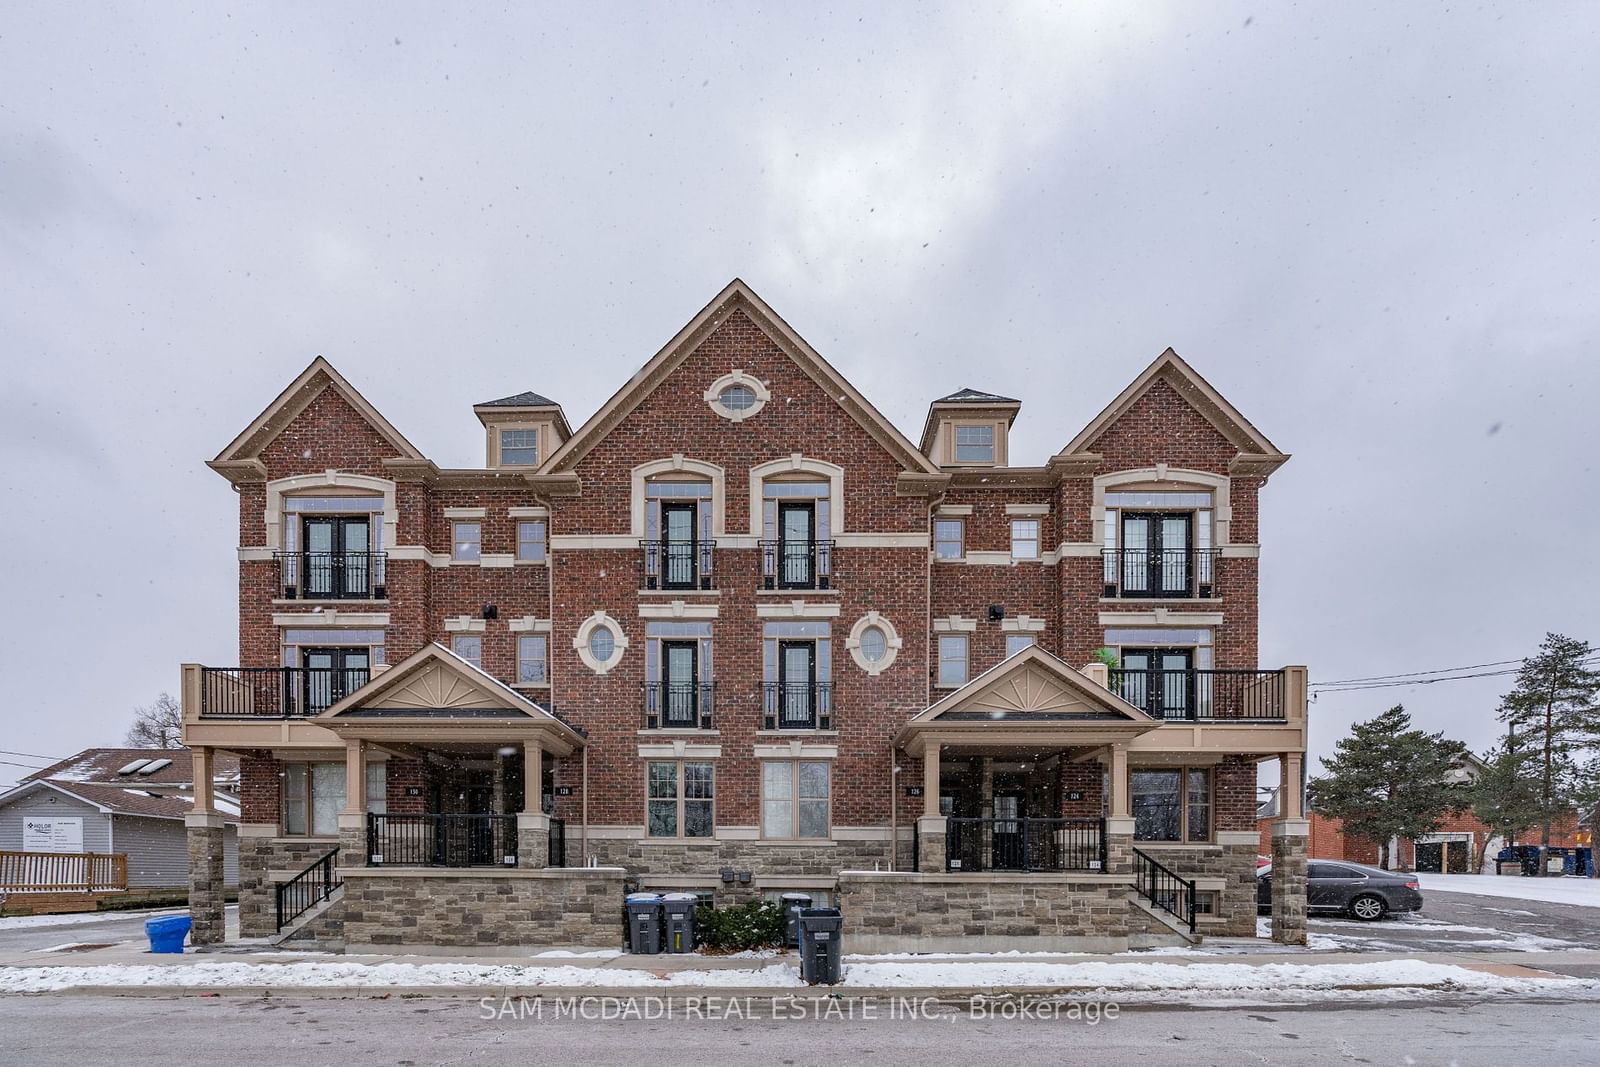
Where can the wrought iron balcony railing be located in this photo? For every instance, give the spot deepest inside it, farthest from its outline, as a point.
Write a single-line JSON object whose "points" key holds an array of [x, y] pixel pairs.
{"points": [[275, 692], [1204, 695], [797, 706], [992, 844], [678, 705], [796, 564], [332, 575], [676, 564], [1181, 574]]}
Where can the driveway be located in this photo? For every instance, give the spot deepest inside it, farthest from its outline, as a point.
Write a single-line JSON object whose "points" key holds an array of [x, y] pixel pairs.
{"points": [[25, 935], [1465, 922]]}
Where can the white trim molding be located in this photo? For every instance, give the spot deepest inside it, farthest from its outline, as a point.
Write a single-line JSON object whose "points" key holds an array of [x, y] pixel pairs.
{"points": [[1178, 477], [795, 463], [1027, 509], [795, 749], [953, 511], [278, 488], [713, 395], [465, 624], [580, 642], [675, 464], [466, 514], [797, 609], [1161, 617], [1022, 624], [497, 559], [364, 620], [527, 624], [892, 643], [954, 624], [528, 512], [679, 609], [679, 749]]}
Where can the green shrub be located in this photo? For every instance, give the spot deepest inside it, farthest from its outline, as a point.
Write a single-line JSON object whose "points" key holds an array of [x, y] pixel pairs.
{"points": [[758, 924]]}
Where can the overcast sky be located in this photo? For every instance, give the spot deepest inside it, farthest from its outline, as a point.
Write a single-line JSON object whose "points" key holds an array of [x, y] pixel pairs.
{"points": [[1374, 229]]}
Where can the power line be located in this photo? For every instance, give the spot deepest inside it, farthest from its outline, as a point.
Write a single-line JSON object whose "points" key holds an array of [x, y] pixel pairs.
{"points": [[32, 755], [1411, 674], [1383, 681], [24, 766]]}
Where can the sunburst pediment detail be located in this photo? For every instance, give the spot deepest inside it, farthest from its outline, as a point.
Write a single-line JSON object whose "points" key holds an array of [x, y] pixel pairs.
{"points": [[436, 687], [1029, 690]]}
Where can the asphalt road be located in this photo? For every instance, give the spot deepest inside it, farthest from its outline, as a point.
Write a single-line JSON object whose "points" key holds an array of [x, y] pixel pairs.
{"points": [[94, 931], [75, 1030], [1461, 922]]}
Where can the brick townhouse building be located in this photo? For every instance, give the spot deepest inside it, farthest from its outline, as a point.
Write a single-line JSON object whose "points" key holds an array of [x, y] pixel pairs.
{"points": [[738, 635]]}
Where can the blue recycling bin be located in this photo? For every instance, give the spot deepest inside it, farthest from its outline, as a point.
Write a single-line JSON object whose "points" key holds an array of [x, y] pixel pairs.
{"points": [[166, 934]]}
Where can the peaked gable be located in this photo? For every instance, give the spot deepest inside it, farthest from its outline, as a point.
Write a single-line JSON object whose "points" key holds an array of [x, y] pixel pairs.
{"points": [[1169, 368], [1033, 684], [245, 450], [435, 682], [737, 297]]}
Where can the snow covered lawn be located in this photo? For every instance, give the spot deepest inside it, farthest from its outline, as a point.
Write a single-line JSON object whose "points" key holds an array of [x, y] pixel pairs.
{"points": [[1584, 891], [30, 922], [1137, 981]]}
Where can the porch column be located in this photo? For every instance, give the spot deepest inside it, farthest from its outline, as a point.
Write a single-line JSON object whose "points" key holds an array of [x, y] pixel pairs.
{"points": [[533, 825], [931, 826], [1119, 822], [205, 832], [353, 819], [1291, 834]]}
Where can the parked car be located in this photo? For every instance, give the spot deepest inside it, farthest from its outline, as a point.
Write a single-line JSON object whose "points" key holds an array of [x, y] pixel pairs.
{"points": [[1353, 889]]}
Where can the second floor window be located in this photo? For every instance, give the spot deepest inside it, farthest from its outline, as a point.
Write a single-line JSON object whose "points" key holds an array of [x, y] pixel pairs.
{"points": [[466, 541], [519, 448], [949, 538], [1159, 544], [678, 535], [798, 671], [531, 541], [796, 547], [337, 561], [1024, 538], [533, 660], [952, 660]]}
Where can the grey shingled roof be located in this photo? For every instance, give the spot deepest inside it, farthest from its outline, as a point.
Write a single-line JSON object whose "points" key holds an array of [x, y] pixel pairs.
{"points": [[529, 399], [976, 396], [100, 766]]}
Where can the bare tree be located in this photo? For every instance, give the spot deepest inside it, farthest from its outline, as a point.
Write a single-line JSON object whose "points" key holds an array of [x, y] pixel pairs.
{"points": [[157, 725]]}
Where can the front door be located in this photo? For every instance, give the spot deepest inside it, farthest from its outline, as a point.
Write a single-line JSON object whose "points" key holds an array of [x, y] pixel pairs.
{"points": [[479, 838], [1159, 680], [329, 675], [1156, 554], [1006, 852], [797, 526], [678, 564]]}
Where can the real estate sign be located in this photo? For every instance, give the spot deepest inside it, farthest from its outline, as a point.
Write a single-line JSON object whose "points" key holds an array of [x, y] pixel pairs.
{"points": [[47, 833]]}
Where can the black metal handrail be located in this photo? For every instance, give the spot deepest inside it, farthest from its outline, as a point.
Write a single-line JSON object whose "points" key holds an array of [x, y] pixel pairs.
{"points": [[1173, 574], [677, 564], [796, 564], [1024, 844], [275, 692], [1204, 695], [557, 854], [678, 705], [332, 575], [797, 706], [1164, 888], [441, 840], [308, 888]]}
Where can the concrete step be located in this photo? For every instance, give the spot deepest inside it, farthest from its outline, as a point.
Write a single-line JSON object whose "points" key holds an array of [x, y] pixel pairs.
{"points": [[1180, 930]]}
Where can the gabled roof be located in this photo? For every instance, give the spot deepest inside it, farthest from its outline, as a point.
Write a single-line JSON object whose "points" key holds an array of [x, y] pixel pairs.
{"points": [[528, 399], [1035, 684], [172, 767], [120, 800], [968, 395], [1252, 443], [310, 383], [739, 296]]}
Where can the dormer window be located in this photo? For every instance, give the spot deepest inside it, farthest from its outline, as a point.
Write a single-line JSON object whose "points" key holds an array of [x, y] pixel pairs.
{"points": [[519, 448], [974, 444]]}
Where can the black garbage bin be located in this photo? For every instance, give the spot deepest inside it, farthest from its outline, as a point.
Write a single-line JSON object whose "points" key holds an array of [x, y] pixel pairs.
{"points": [[793, 904], [679, 923], [644, 922], [821, 937]]}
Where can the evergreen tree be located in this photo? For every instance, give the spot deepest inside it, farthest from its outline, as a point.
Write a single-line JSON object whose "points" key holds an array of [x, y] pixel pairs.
{"points": [[1553, 705], [1389, 780], [1505, 797]]}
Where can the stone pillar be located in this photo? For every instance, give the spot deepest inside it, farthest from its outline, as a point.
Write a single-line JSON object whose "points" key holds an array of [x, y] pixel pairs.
{"points": [[206, 897], [1289, 840], [931, 824], [257, 894], [533, 825], [1119, 822]]}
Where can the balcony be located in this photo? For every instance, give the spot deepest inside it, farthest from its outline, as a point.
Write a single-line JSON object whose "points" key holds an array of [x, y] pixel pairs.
{"points": [[797, 706], [1184, 574], [677, 705], [796, 564], [249, 693], [1243, 696], [1027, 845], [331, 575], [682, 565]]}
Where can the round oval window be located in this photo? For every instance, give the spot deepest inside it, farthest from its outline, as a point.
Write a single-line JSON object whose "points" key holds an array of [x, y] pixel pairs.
{"points": [[602, 643], [737, 398], [873, 644]]}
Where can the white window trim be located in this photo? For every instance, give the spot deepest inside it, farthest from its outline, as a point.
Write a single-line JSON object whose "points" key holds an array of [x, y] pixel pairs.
{"points": [[795, 463], [580, 642], [1038, 540], [677, 463], [892, 643], [301, 483], [459, 561], [1023, 511], [938, 661], [680, 798], [953, 624], [1022, 624], [713, 395], [465, 624], [794, 799], [516, 649]]}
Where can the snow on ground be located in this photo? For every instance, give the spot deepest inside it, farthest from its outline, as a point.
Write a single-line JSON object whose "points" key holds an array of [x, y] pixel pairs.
{"points": [[1122, 980], [1584, 891], [29, 922]]}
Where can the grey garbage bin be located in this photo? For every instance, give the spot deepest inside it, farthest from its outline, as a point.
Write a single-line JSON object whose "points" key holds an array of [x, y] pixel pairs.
{"points": [[679, 924], [793, 904], [821, 937], [644, 922]]}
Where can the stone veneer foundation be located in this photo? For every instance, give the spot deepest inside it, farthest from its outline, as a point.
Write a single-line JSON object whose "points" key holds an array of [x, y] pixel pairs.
{"points": [[506, 910], [207, 900]]}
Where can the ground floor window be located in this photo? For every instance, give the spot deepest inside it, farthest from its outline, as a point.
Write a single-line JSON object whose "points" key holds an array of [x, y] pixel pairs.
{"points": [[795, 798], [1172, 805], [680, 799], [313, 797]]}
